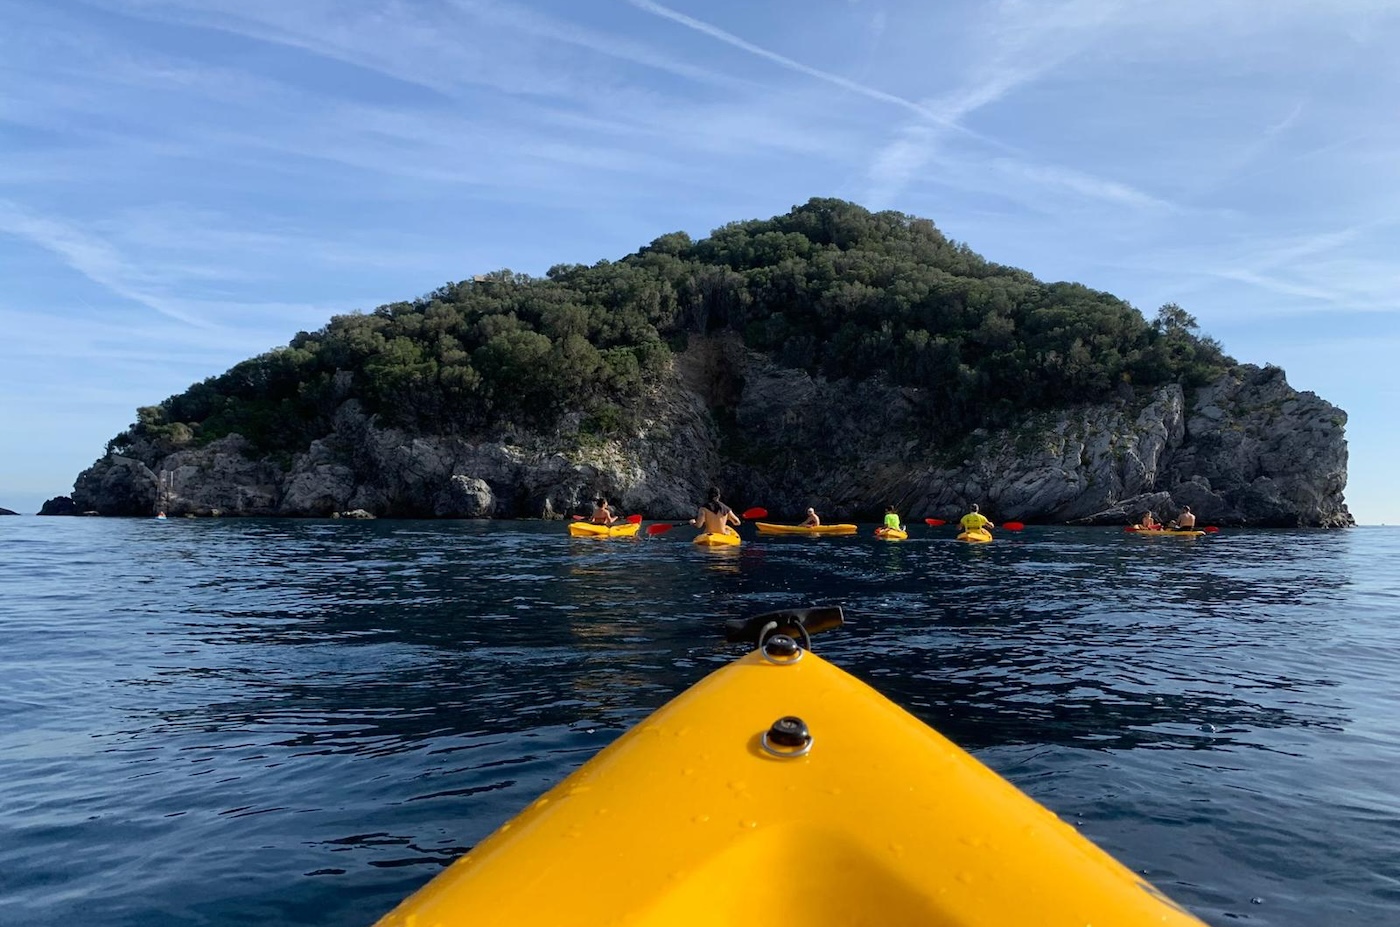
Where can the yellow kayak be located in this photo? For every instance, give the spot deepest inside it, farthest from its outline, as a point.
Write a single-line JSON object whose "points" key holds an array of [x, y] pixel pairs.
{"points": [[780, 790], [717, 540], [585, 529], [976, 536], [767, 528], [891, 534], [1165, 532]]}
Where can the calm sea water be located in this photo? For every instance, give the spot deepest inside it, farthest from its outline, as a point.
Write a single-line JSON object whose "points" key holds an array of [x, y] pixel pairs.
{"points": [[300, 722]]}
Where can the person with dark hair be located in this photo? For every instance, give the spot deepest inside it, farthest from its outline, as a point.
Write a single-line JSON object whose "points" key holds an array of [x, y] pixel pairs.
{"points": [[975, 520], [714, 516], [1185, 520], [602, 512], [892, 519]]}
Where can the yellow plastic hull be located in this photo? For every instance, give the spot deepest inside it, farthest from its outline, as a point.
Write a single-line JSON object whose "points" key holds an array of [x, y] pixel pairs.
{"points": [[1164, 532], [687, 820], [767, 528], [976, 536], [584, 529], [717, 540], [891, 534]]}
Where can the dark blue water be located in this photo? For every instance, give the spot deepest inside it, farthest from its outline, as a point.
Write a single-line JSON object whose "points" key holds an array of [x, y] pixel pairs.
{"points": [[231, 722]]}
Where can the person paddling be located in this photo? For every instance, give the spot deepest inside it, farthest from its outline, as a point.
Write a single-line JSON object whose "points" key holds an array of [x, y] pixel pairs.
{"points": [[892, 519], [812, 520], [1148, 523], [602, 512], [1186, 518], [714, 516], [975, 520]]}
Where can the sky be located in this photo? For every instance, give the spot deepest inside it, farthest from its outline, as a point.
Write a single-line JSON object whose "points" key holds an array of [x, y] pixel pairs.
{"points": [[188, 183]]}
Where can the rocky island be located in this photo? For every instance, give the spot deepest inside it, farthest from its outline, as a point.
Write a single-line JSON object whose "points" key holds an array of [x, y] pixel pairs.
{"points": [[830, 357]]}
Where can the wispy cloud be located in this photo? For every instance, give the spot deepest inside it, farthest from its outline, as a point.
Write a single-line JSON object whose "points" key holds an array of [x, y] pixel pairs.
{"points": [[172, 267], [1019, 43], [790, 64], [91, 257]]}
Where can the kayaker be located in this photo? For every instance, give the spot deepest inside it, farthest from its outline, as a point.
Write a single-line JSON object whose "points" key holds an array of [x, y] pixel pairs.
{"points": [[1148, 523], [975, 520], [812, 520], [602, 512], [892, 519], [1186, 519], [714, 516]]}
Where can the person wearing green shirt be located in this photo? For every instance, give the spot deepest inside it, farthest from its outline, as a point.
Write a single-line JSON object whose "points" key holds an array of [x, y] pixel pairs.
{"points": [[975, 519], [892, 519]]}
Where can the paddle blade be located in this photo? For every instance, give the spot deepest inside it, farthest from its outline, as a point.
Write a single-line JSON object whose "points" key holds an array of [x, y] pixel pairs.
{"points": [[935, 522], [756, 513], [578, 518], [659, 528], [1012, 525], [634, 519], [1211, 529]]}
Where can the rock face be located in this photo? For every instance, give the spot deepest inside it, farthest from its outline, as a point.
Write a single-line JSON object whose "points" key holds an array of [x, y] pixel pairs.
{"points": [[62, 505], [7, 512], [1247, 449]]}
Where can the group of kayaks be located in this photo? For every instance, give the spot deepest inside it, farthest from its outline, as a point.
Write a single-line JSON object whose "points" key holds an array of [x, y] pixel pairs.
{"points": [[780, 790], [630, 528]]}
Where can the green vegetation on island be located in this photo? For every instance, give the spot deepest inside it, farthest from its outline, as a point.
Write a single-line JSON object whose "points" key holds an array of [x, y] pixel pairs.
{"points": [[830, 287]]}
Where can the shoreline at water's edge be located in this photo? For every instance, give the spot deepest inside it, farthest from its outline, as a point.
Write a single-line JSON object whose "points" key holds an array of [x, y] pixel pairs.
{"points": [[872, 521]]}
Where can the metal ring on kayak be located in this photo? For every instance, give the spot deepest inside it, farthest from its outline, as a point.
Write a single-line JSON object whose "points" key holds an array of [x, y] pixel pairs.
{"points": [[787, 738], [782, 649]]}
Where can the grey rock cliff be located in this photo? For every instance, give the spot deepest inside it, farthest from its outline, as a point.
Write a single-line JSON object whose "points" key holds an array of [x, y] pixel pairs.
{"points": [[1247, 449]]}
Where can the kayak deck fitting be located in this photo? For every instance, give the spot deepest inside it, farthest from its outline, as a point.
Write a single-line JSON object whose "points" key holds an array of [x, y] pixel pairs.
{"points": [[780, 790], [976, 536]]}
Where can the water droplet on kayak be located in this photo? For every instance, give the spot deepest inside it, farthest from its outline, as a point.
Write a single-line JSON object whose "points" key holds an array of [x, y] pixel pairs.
{"points": [[750, 825]]}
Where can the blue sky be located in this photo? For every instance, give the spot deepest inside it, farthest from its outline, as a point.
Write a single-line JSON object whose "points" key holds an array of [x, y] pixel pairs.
{"points": [[186, 183]]}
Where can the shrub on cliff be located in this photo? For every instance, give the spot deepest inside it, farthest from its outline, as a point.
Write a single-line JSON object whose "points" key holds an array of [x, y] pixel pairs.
{"points": [[830, 287]]}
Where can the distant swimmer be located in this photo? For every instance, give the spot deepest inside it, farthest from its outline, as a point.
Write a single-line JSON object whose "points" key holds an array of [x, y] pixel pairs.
{"points": [[975, 520], [812, 520], [714, 516]]}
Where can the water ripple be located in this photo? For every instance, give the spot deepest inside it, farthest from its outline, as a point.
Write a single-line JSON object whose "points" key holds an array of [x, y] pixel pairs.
{"points": [[299, 722]]}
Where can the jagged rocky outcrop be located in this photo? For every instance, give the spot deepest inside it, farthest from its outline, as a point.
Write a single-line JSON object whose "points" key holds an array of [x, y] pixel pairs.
{"points": [[1247, 449], [7, 512]]}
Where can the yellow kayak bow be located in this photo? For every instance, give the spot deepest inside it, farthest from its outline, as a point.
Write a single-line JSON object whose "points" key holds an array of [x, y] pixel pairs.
{"points": [[780, 790]]}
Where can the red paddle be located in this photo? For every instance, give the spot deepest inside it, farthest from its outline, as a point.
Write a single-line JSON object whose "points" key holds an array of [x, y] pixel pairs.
{"points": [[756, 513], [662, 528], [935, 522], [1211, 529], [635, 519], [1012, 525]]}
